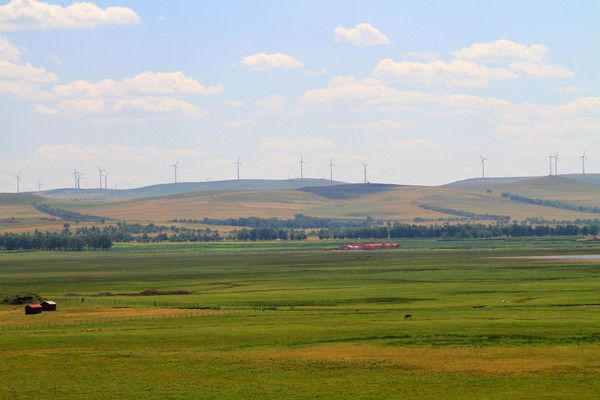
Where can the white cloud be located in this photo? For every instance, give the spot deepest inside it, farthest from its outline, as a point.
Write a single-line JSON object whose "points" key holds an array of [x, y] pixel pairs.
{"points": [[363, 34], [125, 106], [25, 72], [528, 119], [147, 83], [453, 73], [572, 90], [240, 123], [423, 55], [264, 61], [19, 15], [235, 103], [270, 105], [382, 125], [9, 51], [302, 143], [56, 59], [412, 144], [321, 72], [374, 94], [502, 50], [23, 90], [541, 71]]}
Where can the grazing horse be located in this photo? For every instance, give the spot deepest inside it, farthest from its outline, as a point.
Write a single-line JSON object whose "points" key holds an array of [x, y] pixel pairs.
{"points": [[408, 316]]}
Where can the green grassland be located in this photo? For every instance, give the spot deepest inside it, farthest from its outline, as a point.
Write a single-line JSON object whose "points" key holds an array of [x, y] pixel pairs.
{"points": [[301, 320]]}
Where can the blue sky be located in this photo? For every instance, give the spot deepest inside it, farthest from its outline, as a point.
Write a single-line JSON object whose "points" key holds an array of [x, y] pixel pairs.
{"points": [[416, 89]]}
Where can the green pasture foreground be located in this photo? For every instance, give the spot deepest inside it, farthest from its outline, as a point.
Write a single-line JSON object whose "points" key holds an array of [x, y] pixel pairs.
{"points": [[293, 321]]}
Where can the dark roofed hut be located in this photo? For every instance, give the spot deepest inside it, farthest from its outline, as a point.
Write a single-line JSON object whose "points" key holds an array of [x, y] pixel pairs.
{"points": [[48, 305], [33, 309]]}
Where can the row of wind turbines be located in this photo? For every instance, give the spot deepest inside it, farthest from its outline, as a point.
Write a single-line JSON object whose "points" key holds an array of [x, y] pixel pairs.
{"points": [[553, 164], [301, 163], [103, 173]]}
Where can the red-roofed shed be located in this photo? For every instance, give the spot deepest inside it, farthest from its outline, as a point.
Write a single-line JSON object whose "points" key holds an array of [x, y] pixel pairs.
{"points": [[33, 309]]}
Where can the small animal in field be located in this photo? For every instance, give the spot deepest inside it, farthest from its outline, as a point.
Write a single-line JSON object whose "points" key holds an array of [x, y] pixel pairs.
{"points": [[408, 316], [82, 299]]}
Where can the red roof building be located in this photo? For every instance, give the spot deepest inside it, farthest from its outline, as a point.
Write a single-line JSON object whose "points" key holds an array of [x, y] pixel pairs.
{"points": [[33, 309]]}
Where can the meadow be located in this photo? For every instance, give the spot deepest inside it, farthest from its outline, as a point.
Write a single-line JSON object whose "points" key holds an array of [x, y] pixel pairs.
{"points": [[301, 320]]}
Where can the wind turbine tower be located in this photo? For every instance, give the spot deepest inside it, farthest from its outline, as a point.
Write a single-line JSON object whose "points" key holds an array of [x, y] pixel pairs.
{"points": [[483, 160], [18, 176], [365, 165], [105, 180], [550, 159], [39, 186], [583, 158], [238, 164], [301, 163], [175, 166], [100, 174], [556, 164], [331, 166]]}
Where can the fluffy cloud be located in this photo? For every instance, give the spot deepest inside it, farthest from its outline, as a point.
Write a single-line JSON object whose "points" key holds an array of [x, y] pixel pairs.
{"points": [[264, 61], [147, 92], [373, 94], [468, 68], [94, 107], [8, 51], [541, 71], [363, 34], [321, 72], [148, 83], [453, 73], [302, 143], [527, 119], [19, 15], [25, 72], [502, 50], [412, 144], [270, 105], [572, 90], [382, 125]]}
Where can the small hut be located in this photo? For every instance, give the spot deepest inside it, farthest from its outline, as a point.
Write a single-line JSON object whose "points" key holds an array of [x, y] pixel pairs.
{"points": [[48, 305], [33, 309]]}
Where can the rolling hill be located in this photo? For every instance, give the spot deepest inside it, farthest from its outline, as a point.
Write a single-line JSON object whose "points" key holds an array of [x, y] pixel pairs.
{"points": [[167, 189], [478, 200]]}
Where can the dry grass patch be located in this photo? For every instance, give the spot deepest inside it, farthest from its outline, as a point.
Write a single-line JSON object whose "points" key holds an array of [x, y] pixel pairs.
{"points": [[494, 360]]}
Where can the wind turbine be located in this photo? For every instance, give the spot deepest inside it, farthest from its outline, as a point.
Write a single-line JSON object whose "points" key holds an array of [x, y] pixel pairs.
{"points": [[556, 164], [77, 178], [550, 159], [100, 174], [301, 163], [105, 180], [331, 166], [18, 176], [175, 166], [365, 171], [39, 186], [583, 158], [483, 160], [238, 164]]}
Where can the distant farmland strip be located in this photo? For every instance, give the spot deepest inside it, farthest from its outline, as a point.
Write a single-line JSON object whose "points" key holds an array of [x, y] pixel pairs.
{"points": [[550, 203], [66, 214], [461, 213]]}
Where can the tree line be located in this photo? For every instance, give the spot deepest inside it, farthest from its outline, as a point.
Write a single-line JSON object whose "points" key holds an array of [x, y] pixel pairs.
{"points": [[471, 215], [66, 214], [56, 241], [550, 203], [299, 221]]}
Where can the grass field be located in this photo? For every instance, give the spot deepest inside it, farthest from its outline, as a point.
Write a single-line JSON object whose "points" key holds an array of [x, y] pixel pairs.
{"points": [[298, 320]]}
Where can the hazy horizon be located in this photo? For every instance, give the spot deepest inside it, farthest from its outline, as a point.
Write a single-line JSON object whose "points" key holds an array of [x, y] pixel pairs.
{"points": [[417, 90]]}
